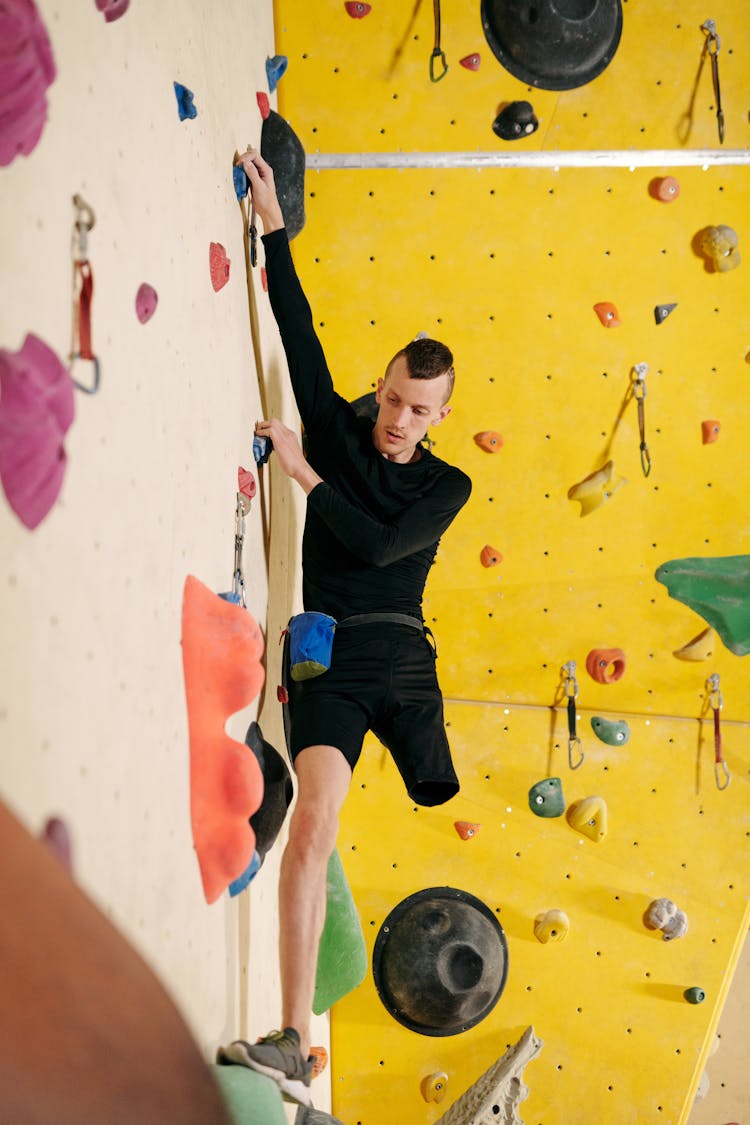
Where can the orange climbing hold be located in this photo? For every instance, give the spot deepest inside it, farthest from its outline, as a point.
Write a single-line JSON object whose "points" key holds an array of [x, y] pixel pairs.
{"points": [[607, 314], [710, 430], [222, 646], [605, 665], [490, 556], [466, 829], [320, 1060], [489, 440], [664, 188]]}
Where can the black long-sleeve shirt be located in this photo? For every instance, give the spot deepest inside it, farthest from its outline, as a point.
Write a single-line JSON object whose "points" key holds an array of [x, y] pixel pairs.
{"points": [[373, 526]]}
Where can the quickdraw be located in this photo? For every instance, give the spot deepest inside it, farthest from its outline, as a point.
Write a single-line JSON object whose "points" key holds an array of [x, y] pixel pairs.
{"points": [[639, 393], [570, 685], [83, 292], [716, 703], [437, 51], [713, 46], [238, 578]]}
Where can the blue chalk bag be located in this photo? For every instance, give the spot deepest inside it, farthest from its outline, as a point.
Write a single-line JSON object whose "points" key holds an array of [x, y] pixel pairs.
{"points": [[310, 644]]}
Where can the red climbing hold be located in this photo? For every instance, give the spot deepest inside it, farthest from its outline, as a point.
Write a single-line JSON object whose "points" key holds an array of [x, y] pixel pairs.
{"points": [[219, 263], [466, 829], [664, 188], [263, 104], [246, 483], [264, 279], [489, 440], [357, 10], [472, 61], [282, 694]]}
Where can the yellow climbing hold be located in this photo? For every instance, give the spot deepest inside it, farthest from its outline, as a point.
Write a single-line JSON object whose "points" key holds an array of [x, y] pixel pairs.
{"points": [[589, 817], [701, 647], [434, 1086], [553, 925], [597, 487]]}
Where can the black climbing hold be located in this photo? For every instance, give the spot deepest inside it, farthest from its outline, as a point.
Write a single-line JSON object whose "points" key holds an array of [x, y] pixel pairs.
{"points": [[515, 120], [553, 44], [277, 791], [661, 312], [283, 150]]}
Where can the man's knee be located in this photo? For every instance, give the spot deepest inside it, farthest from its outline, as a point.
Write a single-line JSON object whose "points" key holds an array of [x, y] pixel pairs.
{"points": [[313, 830]]}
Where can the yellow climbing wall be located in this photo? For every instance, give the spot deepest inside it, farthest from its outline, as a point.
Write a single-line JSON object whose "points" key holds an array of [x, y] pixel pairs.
{"points": [[506, 264]]}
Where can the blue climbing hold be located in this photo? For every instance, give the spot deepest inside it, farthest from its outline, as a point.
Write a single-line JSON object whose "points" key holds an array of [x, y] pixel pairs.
{"points": [[185, 106], [241, 182], [262, 449], [275, 70], [246, 877]]}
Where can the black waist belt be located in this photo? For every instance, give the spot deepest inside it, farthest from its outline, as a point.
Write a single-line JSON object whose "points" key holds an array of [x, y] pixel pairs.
{"points": [[367, 618]]}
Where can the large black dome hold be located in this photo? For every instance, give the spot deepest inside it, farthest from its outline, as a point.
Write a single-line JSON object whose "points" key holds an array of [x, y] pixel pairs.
{"points": [[553, 44], [440, 961]]}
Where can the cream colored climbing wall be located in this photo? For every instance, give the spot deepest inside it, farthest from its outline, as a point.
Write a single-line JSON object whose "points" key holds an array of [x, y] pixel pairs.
{"points": [[506, 264]]}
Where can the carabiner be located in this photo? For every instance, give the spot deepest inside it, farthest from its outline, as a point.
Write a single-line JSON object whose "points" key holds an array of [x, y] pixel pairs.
{"points": [[571, 693], [92, 359], [437, 54], [716, 703]]}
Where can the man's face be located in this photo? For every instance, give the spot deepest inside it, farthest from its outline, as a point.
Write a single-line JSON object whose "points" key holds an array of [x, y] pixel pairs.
{"points": [[407, 408]]}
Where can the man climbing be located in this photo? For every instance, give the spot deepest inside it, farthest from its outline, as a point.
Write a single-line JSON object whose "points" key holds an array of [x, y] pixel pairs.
{"points": [[378, 502]]}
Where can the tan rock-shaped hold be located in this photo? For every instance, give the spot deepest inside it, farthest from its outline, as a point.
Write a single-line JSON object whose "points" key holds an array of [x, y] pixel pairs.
{"points": [[677, 927], [659, 913], [589, 817], [553, 925]]}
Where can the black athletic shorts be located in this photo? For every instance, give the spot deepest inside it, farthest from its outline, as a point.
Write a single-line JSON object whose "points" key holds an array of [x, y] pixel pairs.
{"points": [[382, 678]]}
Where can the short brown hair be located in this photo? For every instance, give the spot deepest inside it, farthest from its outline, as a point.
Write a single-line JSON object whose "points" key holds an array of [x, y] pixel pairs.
{"points": [[427, 359]]}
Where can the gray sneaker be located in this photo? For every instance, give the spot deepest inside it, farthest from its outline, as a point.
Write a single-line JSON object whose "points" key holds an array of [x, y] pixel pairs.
{"points": [[277, 1055]]}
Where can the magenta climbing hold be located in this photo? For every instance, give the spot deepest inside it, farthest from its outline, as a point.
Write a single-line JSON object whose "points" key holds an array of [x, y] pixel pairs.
{"points": [[36, 411], [710, 430], [246, 483], [28, 68], [357, 10], [219, 264], [607, 314], [472, 61], [145, 302], [112, 9]]}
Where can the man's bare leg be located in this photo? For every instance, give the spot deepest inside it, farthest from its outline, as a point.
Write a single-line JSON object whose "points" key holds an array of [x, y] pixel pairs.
{"points": [[323, 777]]}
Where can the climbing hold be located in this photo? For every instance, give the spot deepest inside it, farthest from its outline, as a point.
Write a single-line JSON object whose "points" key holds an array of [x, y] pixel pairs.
{"points": [[490, 556], [275, 70], [246, 483], [282, 695], [219, 265], [607, 314], [240, 182], [664, 188], [262, 449], [606, 665], [264, 279], [278, 791], [222, 647], [112, 9], [553, 925], [263, 104], [36, 411], [185, 106], [700, 648], [145, 302], [694, 995], [589, 817], [614, 732], [489, 440], [466, 829], [246, 1094], [710, 430], [716, 588], [434, 1087], [319, 1056], [56, 835], [661, 312], [440, 961], [663, 914], [283, 150], [719, 245], [515, 120], [238, 885], [596, 488], [472, 61], [357, 10], [28, 68], [500, 1090], [342, 957], [546, 798]]}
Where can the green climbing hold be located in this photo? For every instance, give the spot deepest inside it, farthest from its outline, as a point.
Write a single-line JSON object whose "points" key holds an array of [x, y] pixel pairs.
{"points": [[615, 732], [546, 798], [716, 588], [251, 1098], [694, 995], [342, 957]]}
